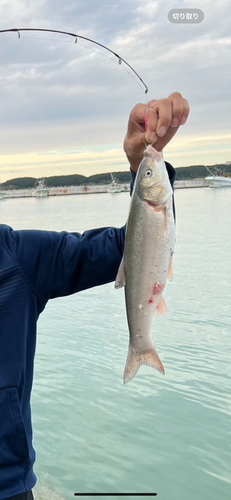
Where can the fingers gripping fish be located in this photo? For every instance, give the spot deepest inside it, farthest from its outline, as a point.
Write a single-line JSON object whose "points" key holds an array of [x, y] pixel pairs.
{"points": [[147, 259]]}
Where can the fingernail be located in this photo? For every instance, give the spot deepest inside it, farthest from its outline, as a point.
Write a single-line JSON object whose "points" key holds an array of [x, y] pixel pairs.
{"points": [[174, 122], [183, 120], [153, 136], [162, 131]]}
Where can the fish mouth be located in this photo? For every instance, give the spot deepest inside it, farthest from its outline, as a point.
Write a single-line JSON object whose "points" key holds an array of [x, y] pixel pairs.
{"points": [[147, 153], [151, 152]]}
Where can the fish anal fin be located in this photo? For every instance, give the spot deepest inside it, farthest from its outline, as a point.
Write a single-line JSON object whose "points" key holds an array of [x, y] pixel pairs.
{"points": [[170, 271], [161, 308], [136, 360]]}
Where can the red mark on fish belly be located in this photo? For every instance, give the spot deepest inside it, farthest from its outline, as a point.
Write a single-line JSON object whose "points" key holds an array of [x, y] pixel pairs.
{"points": [[157, 289]]}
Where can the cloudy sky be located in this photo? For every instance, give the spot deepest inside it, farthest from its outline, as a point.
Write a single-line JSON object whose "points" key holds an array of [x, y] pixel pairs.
{"points": [[65, 106]]}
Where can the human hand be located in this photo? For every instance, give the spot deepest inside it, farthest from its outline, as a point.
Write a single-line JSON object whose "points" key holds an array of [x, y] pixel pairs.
{"points": [[154, 123]]}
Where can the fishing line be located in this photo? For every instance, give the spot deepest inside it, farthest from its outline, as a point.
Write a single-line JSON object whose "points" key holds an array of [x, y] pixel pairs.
{"points": [[110, 58], [120, 59]]}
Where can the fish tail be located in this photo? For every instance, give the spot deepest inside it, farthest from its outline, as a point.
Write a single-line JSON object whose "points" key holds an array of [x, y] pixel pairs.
{"points": [[136, 360]]}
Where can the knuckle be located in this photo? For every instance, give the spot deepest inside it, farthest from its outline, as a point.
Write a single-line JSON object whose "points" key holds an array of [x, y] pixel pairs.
{"points": [[176, 95], [137, 110], [153, 101]]}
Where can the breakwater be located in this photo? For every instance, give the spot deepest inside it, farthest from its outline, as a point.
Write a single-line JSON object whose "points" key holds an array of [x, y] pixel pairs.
{"points": [[92, 189]]}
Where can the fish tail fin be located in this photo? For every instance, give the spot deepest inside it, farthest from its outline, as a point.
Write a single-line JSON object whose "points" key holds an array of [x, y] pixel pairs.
{"points": [[136, 360]]}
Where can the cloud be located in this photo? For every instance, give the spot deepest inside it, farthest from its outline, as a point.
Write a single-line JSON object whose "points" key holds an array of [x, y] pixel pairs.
{"points": [[56, 94], [60, 162]]}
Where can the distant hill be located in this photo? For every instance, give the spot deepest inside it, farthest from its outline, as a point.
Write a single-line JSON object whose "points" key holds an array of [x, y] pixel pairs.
{"points": [[183, 173], [199, 171], [66, 180]]}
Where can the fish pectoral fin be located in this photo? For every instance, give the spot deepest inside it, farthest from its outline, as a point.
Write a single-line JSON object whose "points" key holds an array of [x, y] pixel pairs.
{"points": [[161, 308], [136, 360], [120, 278], [170, 271]]}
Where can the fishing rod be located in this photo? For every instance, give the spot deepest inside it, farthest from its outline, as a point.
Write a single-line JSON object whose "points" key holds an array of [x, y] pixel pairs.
{"points": [[76, 36]]}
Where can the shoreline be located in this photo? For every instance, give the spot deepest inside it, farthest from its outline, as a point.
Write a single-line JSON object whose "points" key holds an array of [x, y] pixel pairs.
{"points": [[92, 189]]}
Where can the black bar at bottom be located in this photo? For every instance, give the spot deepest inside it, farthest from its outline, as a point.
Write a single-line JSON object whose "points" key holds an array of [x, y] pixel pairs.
{"points": [[116, 494]]}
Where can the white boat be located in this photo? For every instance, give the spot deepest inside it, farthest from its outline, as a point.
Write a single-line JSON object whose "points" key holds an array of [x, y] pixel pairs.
{"points": [[218, 178], [114, 186], [217, 181], [41, 191]]}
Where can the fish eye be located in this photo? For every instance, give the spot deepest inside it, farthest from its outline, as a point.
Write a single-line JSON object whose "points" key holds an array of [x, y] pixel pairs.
{"points": [[148, 173]]}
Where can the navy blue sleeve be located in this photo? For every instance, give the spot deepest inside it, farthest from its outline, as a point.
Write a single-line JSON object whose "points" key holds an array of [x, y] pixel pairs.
{"points": [[57, 264], [171, 173], [172, 177]]}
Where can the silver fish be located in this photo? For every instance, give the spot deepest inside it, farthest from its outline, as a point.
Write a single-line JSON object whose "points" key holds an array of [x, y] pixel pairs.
{"points": [[147, 259]]}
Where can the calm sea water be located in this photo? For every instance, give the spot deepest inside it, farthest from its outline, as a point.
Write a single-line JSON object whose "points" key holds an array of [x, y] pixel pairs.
{"points": [[170, 435]]}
